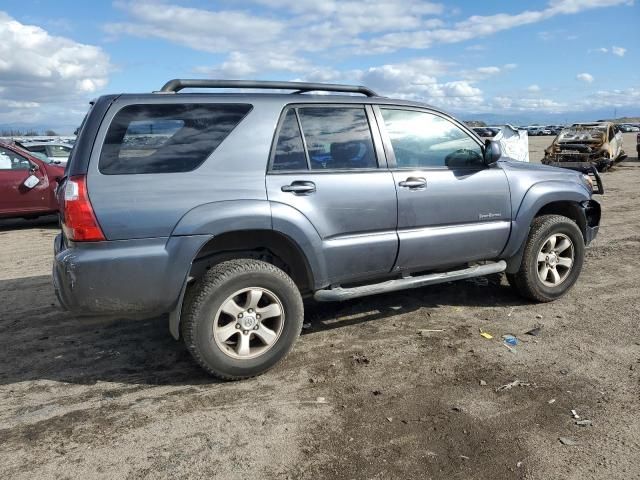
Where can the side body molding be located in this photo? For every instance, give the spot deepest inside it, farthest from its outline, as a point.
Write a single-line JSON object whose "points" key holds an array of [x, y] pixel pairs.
{"points": [[539, 195]]}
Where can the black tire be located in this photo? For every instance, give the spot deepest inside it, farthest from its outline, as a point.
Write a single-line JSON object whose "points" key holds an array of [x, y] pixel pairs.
{"points": [[204, 301], [526, 281]]}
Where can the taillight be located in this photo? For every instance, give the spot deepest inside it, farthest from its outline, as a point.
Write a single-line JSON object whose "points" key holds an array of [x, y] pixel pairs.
{"points": [[80, 224]]}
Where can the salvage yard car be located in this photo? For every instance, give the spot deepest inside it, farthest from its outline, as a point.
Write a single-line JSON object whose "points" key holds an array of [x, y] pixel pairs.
{"points": [[583, 146], [225, 210], [55, 152], [538, 131], [27, 183]]}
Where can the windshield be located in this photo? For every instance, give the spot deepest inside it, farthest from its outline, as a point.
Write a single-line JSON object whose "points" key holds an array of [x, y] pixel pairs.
{"points": [[583, 133]]}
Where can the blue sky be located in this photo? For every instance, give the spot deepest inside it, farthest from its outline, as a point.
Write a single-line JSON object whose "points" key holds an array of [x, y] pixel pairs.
{"points": [[565, 59]]}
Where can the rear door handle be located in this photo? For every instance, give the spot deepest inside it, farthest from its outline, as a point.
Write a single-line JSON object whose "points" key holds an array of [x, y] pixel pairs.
{"points": [[299, 187], [414, 182]]}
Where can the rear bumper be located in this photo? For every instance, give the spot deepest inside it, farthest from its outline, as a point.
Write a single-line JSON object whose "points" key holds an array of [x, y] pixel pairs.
{"points": [[142, 276]]}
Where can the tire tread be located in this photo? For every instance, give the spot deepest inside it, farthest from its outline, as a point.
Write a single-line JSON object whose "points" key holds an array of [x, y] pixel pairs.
{"points": [[199, 293], [524, 281]]}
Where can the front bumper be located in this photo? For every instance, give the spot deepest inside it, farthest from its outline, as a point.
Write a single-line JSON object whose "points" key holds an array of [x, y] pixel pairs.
{"points": [[140, 276], [591, 234], [585, 166], [592, 213]]}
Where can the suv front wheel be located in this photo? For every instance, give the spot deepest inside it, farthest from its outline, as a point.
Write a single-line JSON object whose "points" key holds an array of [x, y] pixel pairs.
{"points": [[242, 318], [552, 259]]}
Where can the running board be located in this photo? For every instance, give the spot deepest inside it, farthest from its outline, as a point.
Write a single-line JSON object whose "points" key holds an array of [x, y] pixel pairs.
{"points": [[338, 293]]}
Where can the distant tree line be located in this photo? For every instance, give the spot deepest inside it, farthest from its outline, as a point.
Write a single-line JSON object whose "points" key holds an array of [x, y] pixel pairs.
{"points": [[30, 132]]}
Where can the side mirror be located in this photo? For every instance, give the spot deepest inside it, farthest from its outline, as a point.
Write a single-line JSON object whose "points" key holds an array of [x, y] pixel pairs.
{"points": [[492, 152], [34, 167]]}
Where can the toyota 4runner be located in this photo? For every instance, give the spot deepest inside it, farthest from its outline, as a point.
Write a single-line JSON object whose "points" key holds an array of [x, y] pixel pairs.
{"points": [[225, 210]]}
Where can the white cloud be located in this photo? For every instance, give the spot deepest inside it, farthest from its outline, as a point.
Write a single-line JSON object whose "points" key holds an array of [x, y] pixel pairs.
{"points": [[363, 15], [527, 104], [482, 73], [409, 80], [51, 72], [619, 51], [238, 65], [605, 99], [347, 26], [533, 88], [488, 70], [575, 6], [485, 25], [585, 77], [200, 29]]}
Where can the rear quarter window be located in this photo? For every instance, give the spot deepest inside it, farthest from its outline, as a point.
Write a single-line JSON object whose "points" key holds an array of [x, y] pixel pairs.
{"points": [[166, 138]]}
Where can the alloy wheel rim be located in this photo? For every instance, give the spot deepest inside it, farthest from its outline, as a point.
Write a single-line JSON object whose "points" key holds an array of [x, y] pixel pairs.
{"points": [[248, 323], [555, 259]]}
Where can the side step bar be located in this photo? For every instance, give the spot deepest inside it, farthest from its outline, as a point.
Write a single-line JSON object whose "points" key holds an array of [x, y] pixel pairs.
{"points": [[338, 293]]}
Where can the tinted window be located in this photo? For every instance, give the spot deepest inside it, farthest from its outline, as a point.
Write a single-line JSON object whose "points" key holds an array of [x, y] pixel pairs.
{"points": [[166, 138], [289, 149], [12, 161], [422, 139], [337, 137]]}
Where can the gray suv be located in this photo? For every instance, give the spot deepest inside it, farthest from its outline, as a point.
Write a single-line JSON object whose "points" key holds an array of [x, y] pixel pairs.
{"points": [[225, 210]]}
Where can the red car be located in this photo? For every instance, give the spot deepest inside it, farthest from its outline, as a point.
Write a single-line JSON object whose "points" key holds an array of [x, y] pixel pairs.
{"points": [[27, 183]]}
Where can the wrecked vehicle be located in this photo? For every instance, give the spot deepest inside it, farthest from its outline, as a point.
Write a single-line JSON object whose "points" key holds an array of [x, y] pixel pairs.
{"points": [[583, 146], [514, 143]]}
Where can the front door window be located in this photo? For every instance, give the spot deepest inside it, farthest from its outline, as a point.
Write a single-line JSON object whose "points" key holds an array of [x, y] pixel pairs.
{"points": [[425, 140]]}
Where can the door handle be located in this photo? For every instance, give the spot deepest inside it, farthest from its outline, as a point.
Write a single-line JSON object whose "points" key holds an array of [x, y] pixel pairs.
{"points": [[299, 188], [414, 182]]}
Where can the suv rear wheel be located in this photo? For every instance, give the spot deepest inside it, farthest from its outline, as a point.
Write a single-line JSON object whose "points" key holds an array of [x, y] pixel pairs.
{"points": [[242, 318], [552, 259]]}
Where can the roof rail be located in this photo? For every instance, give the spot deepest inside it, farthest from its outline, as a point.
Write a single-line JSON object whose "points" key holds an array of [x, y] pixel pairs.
{"points": [[177, 84]]}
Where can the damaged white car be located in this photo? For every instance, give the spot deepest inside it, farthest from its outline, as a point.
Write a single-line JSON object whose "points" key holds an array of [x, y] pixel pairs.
{"points": [[583, 146]]}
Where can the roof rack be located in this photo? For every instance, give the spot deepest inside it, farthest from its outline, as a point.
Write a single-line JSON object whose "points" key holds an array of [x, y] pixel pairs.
{"points": [[177, 84]]}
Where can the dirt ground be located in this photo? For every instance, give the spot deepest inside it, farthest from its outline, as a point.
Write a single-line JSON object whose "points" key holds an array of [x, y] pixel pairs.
{"points": [[362, 396]]}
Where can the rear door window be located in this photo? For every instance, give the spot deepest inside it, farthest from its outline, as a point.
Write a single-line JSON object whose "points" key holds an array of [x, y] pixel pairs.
{"points": [[166, 138], [289, 149], [337, 138]]}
